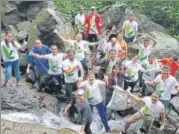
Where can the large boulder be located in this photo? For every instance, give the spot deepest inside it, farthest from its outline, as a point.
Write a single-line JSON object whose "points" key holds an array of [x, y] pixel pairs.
{"points": [[118, 13], [44, 24]]}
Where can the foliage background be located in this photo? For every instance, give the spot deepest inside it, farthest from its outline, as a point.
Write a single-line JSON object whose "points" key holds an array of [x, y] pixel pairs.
{"points": [[165, 13]]}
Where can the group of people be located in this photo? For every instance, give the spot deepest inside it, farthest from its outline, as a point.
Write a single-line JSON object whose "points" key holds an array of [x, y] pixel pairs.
{"points": [[81, 87]]}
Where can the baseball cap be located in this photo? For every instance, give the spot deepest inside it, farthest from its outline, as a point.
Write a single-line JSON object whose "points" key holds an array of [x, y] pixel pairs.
{"points": [[93, 7], [80, 92]]}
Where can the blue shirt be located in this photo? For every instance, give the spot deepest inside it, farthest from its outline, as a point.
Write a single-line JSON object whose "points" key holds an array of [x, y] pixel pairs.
{"points": [[41, 65]]}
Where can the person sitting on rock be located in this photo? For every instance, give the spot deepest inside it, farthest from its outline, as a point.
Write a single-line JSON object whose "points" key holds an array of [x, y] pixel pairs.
{"points": [[153, 109], [9, 50], [107, 63], [55, 60], [79, 46], [172, 63], [84, 110], [71, 68], [93, 92], [41, 66], [164, 84], [130, 29]]}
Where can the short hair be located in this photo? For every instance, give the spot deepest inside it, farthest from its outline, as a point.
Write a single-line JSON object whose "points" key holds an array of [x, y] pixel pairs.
{"points": [[131, 14], [151, 56], [146, 40], [156, 92], [166, 68], [54, 46], [90, 73], [70, 51], [112, 50]]}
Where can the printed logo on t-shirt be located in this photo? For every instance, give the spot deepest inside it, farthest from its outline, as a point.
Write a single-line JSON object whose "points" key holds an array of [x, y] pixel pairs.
{"points": [[128, 31], [52, 65], [159, 88], [88, 95], [8, 53], [70, 70], [145, 111]]}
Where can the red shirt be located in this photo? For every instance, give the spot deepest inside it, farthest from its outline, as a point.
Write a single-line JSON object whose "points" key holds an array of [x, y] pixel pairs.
{"points": [[98, 22], [174, 66]]}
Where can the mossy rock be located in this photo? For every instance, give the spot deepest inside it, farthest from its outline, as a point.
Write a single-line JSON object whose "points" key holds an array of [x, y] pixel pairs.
{"points": [[34, 33]]}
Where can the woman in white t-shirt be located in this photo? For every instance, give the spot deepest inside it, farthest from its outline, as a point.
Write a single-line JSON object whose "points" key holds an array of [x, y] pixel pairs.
{"points": [[9, 49]]}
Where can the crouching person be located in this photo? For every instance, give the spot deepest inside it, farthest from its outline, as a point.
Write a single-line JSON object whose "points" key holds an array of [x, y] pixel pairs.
{"points": [[55, 72], [84, 110], [153, 108]]}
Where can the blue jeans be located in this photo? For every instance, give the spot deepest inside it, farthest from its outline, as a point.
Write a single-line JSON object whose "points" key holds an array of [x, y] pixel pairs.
{"points": [[84, 64], [8, 70], [102, 113], [165, 103]]}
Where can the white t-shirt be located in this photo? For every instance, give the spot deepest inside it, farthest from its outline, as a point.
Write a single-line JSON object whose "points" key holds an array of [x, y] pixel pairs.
{"points": [[130, 28], [68, 65], [93, 28], [92, 92], [115, 47], [80, 20], [151, 75], [165, 87], [132, 70], [10, 53], [144, 52], [151, 110], [110, 66], [55, 63], [79, 48]]}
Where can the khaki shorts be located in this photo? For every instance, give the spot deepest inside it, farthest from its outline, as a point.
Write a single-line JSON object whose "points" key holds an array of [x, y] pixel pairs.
{"points": [[135, 117]]}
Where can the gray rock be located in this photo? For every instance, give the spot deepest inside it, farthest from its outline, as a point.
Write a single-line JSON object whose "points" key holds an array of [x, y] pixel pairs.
{"points": [[118, 13], [175, 103]]}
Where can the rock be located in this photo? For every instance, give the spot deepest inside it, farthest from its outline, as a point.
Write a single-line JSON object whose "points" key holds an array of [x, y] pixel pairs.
{"points": [[175, 103], [23, 99], [118, 13], [173, 118], [8, 127], [44, 24]]}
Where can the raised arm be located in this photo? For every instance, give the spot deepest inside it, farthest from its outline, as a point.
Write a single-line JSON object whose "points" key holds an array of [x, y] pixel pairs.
{"points": [[61, 37]]}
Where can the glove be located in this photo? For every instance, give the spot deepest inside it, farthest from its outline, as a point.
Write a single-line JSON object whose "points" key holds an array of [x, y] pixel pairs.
{"points": [[55, 31], [28, 71], [80, 79], [162, 127]]}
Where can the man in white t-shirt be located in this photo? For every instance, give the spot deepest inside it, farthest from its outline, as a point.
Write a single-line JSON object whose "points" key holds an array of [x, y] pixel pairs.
{"points": [[93, 93], [79, 46], [164, 84], [113, 45], [71, 68], [130, 29], [150, 64], [79, 21], [153, 109], [146, 48], [55, 60]]}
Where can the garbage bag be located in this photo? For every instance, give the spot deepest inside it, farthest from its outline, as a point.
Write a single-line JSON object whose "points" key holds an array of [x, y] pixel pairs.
{"points": [[120, 100]]}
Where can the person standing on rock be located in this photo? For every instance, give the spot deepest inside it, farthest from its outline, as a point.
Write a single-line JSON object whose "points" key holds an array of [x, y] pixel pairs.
{"points": [[79, 21], [55, 60], [9, 50], [41, 66], [93, 93], [153, 109], [130, 29], [79, 46], [164, 85], [71, 68], [93, 25], [84, 111]]}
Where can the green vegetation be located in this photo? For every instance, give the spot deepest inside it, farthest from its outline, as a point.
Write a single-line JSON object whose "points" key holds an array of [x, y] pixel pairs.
{"points": [[165, 13]]}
